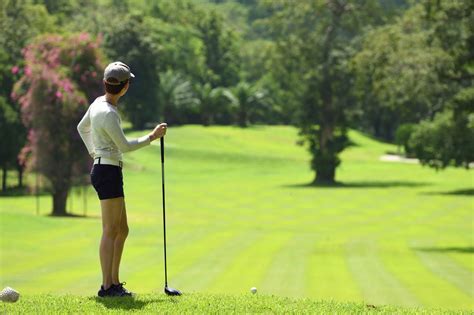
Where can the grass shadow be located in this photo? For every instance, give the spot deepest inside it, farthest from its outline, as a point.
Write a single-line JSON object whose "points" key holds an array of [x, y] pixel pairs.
{"points": [[362, 184], [458, 192], [459, 250], [125, 303]]}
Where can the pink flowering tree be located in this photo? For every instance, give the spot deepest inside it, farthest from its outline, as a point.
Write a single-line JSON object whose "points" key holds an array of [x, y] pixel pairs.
{"points": [[61, 76]]}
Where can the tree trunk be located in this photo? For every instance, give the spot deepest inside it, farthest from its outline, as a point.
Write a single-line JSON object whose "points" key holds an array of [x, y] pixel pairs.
{"points": [[206, 119], [326, 175], [326, 159], [325, 172], [20, 176], [376, 125], [243, 118], [59, 201], [4, 178]]}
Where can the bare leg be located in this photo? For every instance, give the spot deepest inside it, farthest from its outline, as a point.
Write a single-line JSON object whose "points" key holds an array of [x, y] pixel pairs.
{"points": [[118, 245], [111, 215]]}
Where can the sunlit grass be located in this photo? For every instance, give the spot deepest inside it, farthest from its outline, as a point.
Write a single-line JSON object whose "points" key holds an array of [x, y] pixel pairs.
{"points": [[241, 214]]}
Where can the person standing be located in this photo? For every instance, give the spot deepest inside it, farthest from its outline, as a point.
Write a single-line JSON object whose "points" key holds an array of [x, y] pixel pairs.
{"points": [[105, 141]]}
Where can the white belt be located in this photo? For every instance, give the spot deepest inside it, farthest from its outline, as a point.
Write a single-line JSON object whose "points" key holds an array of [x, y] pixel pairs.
{"points": [[101, 160]]}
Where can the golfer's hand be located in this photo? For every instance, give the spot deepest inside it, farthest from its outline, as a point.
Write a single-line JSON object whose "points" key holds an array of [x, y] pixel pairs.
{"points": [[158, 132]]}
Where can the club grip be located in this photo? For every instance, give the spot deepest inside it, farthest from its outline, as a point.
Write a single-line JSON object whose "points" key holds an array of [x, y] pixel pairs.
{"points": [[162, 145]]}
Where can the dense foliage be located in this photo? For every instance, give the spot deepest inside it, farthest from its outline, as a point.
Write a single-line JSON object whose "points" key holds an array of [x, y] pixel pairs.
{"points": [[420, 69], [19, 22], [324, 66], [452, 27]]}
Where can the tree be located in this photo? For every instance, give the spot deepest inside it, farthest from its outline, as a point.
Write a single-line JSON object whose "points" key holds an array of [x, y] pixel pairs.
{"points": [[11, 131], [127, 40], [213, 104], [398, 75], [419, 69], [176, 97], [314, 43], [249, 103], [20, 21], [402, 137], [451, 26], [179, 47], [62, 75], [448, 139], [220, 51], [152, 38]]}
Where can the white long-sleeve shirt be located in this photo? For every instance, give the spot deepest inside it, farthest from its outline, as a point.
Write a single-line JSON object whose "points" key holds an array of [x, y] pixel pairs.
{"points": [[102, 134]]}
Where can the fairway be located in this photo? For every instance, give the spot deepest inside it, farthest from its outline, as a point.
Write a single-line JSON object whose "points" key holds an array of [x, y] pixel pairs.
{"points": [[240, 213]]}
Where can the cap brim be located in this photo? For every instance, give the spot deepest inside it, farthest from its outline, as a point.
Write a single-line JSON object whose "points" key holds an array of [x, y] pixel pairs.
{"points": [[111, 83], [132, 75]]}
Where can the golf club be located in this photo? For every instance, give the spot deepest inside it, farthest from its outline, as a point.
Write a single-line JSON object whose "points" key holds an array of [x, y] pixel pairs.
{"points": [[168, 291]]}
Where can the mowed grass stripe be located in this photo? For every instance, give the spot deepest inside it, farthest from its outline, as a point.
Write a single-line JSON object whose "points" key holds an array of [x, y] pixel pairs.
{"points": [[460, 248], [82, 277], [287, 274], [329, 276], [194, 245], [203, 273], [57, 254], [250, 266], [446, 268], [428, 288], [139, 254], [44, 229], [465, 259], [146, 268], [32, 280], [188, 254], [80, 267], [378, 285]]}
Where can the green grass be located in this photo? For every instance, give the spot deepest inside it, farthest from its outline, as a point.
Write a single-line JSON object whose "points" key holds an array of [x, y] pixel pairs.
{"points": [[198, 303], [240, 214]]}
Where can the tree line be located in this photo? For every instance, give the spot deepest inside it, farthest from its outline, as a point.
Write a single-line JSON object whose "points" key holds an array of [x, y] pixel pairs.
{"points": [[400, 71]]}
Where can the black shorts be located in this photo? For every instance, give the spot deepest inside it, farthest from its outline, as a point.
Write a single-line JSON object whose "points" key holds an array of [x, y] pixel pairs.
{"points": [[107, 181]]}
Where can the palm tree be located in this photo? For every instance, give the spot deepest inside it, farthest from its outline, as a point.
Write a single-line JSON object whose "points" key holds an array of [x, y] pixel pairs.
{"points": [[212, 102], [248, 100], [176, 97]]}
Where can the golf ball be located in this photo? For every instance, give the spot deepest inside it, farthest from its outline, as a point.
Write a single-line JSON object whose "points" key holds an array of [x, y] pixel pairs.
{"points": [[9, 295], [253, 290]]}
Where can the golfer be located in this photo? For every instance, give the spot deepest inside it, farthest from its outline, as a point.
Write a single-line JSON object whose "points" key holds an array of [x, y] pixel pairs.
{"points": [[105, 141]]}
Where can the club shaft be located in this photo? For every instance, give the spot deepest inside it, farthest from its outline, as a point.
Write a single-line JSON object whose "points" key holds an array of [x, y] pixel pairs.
{"points": [[164, 204]]}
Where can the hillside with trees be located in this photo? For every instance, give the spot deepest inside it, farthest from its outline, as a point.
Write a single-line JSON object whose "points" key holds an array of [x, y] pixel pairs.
{"points": [[400, 71]]}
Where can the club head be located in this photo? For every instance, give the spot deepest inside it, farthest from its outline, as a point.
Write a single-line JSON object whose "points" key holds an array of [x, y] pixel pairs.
{"points": [[171, 291]]}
